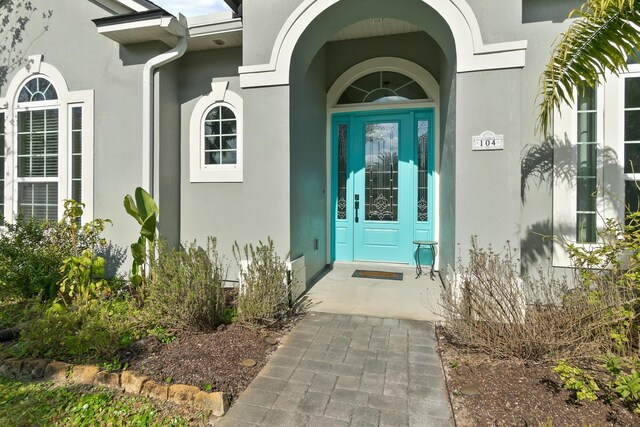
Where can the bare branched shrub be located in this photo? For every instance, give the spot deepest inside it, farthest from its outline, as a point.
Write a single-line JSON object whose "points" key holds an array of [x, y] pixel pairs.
{"points": [[497, 312], [264, 295], [186, 287]]}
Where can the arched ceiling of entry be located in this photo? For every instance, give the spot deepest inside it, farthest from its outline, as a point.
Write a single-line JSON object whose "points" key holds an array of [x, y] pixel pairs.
{"points": [[450, 22]]}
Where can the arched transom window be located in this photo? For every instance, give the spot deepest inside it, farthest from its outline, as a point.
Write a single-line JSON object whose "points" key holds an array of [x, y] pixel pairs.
{"points": [[382, 87], [37, 89]]}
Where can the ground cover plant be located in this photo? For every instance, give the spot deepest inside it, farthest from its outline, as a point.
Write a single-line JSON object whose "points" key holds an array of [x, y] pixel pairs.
{"points": [[42, 404]]}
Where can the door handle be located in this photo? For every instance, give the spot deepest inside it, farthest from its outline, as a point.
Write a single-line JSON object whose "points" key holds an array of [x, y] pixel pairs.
{"points": [[357, 205]]}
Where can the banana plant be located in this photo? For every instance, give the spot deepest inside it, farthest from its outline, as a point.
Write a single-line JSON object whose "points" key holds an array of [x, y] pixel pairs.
{"points": [[144, 210]]}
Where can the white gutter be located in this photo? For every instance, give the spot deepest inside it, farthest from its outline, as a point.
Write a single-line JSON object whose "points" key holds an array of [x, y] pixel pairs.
{"points": [[148, 103]]}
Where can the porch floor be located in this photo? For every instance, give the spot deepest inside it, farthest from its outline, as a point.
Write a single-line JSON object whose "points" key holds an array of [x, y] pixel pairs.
{"points": [[339, 293]]}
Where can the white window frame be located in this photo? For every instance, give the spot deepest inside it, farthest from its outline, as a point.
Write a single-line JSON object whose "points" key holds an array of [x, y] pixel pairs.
{"points": [[565, 194], [634, 72], [198, 170], [611, 176], [66, 100]]}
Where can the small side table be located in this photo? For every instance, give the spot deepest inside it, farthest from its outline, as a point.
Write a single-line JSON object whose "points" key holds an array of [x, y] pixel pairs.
{"points": [[432, 245]]}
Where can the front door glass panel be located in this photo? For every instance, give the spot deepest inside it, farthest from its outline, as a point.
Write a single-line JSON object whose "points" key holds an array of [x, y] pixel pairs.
{"points": [[342, 171], [423, 170], [381, 168]]}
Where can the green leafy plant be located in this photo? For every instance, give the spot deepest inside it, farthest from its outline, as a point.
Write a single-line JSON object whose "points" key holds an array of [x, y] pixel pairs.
{"points": [[115, 365], [32, 253], [145, 211], [264, 291], [168, 380], [208, 387], [579, 383], [161, 334], [230, 315]]}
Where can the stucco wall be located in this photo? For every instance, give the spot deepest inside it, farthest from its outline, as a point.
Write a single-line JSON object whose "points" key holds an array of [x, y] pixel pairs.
{"points": [[308, 164], [487, 182], [258, 207], [542, 22], [167, 152]]}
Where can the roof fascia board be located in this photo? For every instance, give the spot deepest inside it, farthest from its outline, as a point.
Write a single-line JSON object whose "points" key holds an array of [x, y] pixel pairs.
{"points": [[220, 27], [124, 6], [134, 5]]}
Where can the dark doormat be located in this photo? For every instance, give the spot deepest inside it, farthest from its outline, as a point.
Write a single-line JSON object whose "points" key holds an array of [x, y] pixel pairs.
{"points": [[374, 274]]}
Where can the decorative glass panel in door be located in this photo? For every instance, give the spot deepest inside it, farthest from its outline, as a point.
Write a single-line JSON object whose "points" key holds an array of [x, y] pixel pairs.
{"points": [[381, 166], [383, 191]]}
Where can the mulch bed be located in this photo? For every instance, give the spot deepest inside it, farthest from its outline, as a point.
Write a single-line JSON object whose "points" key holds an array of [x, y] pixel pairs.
{"points": [[485, 391], [212, 359]]}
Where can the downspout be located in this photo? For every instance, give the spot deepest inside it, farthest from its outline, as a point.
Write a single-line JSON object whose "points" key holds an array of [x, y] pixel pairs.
{"points": [[148, 103]]}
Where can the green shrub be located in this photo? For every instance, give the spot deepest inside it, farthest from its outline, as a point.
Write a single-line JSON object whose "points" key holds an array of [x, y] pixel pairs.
{"points": [[264, 293], [33, 252], [186, 287], [91, 332]]}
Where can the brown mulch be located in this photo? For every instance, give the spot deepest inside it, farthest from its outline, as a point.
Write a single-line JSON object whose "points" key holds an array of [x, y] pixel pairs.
{"points": [[212, 359], [486, 391]]}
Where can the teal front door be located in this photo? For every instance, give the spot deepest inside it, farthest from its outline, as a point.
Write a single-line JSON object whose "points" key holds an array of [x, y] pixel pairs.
{"points": [[382, 172]]}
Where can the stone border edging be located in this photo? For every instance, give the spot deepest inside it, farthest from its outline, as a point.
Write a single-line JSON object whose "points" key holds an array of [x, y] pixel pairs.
{"points": [[127, 381]]}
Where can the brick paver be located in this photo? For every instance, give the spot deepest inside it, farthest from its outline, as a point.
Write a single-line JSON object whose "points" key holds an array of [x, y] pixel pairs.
{"points": [[338, 370]]}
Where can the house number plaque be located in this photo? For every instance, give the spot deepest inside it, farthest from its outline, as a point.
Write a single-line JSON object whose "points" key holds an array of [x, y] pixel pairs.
{"points": [[488, 140]]}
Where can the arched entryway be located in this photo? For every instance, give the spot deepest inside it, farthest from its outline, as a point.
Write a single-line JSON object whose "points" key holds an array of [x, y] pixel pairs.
{"points": [[324, 47]]}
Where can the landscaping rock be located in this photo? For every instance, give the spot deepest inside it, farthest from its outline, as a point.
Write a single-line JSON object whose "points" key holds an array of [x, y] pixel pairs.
{"points": [[34, 367], [132, 382], [13, 365], [249, 363], [154, 390], [183, 394], [217, 402], [108, 379], [57, 371], [84, 374]]}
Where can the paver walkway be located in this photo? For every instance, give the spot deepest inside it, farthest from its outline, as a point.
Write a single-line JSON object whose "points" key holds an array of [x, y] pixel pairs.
{"points": [[340, 370]]}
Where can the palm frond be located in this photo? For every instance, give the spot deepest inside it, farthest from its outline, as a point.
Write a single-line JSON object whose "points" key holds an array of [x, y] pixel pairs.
{"points": [[604, 36]]}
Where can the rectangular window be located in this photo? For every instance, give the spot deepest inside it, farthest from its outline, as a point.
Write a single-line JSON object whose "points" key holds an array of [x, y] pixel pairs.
{"points": [[37, 157], [587, 166], [632, 142], [76, 154], [38, 144], [423, 170], [2, 159], [342, 171], [38, 200]]}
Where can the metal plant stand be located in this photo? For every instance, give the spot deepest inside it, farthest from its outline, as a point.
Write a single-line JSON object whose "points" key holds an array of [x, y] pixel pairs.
{"points": [[432, 245]]}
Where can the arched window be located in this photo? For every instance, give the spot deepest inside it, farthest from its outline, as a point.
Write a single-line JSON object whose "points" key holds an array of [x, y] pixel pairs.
{"points": [[38, 126], [382, 87], [220, 145], [215, 136], [48, 139]]}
